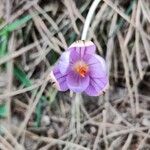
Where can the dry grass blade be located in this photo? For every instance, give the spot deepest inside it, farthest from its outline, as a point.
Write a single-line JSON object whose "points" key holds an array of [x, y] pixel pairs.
{"points": [[19, 52], [71, 14], [5, 143], [131, 28], [141, 145], [145, 10], [120, 38], [124, 16], [31, 108], [14, 93], [10, 66], [137, 42], [128, 142], [54, 25], [19, 13], [96, 142], [110, 43]]}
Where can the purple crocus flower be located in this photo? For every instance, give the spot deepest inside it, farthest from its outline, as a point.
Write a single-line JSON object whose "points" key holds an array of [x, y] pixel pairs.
{"points": [[81, 70]]}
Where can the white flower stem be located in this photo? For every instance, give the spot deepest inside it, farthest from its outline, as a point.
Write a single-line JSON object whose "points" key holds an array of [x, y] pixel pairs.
{"points": [[75, 113], [77, 108], [89, 18]]}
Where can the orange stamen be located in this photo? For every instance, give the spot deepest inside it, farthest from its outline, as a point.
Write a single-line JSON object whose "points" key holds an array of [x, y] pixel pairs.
{"points": [[81, 68]]}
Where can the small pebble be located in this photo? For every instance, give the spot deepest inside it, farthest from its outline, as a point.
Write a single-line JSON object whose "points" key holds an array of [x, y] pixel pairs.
{"points": [[45, 120], [146, 121]]}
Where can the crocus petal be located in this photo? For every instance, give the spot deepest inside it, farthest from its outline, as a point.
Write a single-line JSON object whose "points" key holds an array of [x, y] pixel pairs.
{"points": [[98, 76], [97, 86], [60, 79], [97, 66], [74, 55], [77, 83], [63, 62], [83, 47]]}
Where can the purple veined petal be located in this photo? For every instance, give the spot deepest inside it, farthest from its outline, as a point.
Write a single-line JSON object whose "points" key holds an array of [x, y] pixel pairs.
{"points": [[83, 47], [64, 62], [97, 66], [77, 83], [98, 75], [59, 79], [97, 86], [74, 55], [90, 48]]}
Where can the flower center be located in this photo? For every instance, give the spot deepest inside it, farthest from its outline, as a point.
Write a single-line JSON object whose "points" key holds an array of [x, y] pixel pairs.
{"points": [[81, 68]]}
